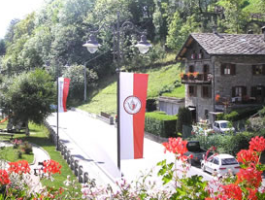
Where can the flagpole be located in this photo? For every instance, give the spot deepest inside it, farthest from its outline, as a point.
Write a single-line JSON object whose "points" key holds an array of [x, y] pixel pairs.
{"points": [[57, 135], [118, 93]]}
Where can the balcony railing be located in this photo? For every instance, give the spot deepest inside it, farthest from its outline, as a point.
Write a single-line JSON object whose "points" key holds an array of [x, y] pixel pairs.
{"points": [[203, 78]]}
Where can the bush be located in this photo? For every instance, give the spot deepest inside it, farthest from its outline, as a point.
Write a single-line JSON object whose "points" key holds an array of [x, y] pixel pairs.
{"points": [[150, 105], [160, 124], [26, 147], [184, 118], [241, 141], [238, 114], [221, 142]]}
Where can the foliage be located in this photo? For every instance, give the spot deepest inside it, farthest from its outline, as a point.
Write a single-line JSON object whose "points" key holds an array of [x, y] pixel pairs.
{"points": [[238, 114], [2, 47], [29, 97], [221, 142], [240, 141], [105, 98], [76, 74], [184, 118], [12, 155], [160, 124]]}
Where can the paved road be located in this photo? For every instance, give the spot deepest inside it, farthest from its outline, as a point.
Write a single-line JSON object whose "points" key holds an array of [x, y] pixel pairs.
{"points": [[97, 141]]}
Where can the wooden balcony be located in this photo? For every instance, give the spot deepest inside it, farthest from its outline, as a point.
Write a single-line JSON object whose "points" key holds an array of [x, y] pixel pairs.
{"points": [[203, 78]]}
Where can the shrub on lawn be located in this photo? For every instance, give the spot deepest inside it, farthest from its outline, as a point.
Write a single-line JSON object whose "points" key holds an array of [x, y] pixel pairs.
{"points": [[26, 147], [160, 124]]}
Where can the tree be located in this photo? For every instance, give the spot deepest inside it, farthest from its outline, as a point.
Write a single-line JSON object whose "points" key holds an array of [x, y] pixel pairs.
{"points": [[2, 47], [29, 97], [76, 74]]}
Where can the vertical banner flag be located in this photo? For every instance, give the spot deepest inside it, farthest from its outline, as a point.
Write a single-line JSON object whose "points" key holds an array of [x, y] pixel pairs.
{"points": [[133, 90], [63, 89]]}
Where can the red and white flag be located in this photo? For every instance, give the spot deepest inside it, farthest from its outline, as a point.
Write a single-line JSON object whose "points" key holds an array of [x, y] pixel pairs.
{"points": [[63, 89], [133, 90]]}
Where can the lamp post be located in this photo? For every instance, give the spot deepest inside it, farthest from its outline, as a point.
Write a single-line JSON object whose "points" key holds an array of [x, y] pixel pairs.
{"points": [[92, 46]]}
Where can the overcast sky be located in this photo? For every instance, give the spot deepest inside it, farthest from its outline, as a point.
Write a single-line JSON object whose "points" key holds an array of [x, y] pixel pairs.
{"points": [[10, 9]]}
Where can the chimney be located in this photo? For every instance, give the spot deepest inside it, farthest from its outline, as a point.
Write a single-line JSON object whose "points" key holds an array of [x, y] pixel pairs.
{"points": [[263, 32], [250, 31]]}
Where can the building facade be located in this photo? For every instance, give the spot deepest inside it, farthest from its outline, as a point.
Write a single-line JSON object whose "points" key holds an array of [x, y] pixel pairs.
{"points": [[222, 72]]}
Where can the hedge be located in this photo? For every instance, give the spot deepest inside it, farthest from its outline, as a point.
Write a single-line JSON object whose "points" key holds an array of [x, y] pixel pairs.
{"points": [[239, 114], [160, 124]]}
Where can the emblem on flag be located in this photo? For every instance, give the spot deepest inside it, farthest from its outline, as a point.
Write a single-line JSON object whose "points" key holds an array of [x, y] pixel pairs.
{"points": [[132, 105]]}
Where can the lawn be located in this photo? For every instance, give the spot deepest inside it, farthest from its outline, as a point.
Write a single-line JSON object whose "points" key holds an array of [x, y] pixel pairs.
{"points": [[164, 81], [11, 154], [39, 135]]}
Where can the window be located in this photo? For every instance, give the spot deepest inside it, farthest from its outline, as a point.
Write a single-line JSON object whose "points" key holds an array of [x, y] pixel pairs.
{"points": [[206, 92], [192, 91], [193, 55], [191, 68], [239, 91], [258, 93], [228, 69], [229, 161], [200, 55], [216, 161], [258, 69]]}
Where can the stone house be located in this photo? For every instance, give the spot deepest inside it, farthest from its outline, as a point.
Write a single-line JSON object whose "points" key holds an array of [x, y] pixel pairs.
{"points": [[222, 71]]}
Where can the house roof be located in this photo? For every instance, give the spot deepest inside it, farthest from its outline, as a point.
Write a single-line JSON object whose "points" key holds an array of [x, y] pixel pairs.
{"points": [[226, 44]]}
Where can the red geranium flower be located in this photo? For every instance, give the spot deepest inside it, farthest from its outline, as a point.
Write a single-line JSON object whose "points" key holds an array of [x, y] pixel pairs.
{"points": [[176, 145], [232, 191], [257, 143], [250, 176], [19, 167], [252, 194], [4, 178], [247, 157], [51, 166]]}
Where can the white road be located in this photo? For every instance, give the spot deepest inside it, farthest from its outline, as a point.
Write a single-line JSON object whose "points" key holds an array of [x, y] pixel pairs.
{"points": [[97, 142]]}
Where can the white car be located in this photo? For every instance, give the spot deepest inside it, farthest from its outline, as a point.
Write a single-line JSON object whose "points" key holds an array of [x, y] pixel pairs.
{"points": [[220, 164], [222, 126]]}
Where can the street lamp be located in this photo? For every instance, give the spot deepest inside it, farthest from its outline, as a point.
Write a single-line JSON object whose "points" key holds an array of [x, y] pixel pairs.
{"points": [[92, 46]]}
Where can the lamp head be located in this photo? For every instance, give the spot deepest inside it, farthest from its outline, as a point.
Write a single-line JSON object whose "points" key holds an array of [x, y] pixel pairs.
{"points": [[92, 44], [143, 45]]}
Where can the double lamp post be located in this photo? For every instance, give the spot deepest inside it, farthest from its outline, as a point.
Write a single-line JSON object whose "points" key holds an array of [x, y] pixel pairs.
{"points": [[92, 46]]}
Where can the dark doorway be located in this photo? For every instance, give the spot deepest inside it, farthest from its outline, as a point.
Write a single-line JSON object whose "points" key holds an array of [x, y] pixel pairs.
{"points": [[193, 113]]}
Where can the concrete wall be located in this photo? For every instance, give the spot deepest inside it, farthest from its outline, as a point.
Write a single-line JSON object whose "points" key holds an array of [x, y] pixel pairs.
{"points": [[170, 107]]}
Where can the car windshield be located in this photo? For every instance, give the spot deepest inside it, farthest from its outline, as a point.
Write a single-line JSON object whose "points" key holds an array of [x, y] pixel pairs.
{"points": [[224, 125], [229, 161]]}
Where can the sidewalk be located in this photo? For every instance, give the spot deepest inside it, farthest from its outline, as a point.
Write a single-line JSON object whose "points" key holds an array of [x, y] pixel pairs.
{"points": [[39, 156]]}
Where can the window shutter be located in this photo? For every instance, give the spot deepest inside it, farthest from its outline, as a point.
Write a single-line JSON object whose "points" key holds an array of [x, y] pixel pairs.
{"points": [[253, 91], [244, 91], [233, 91], [263, 69], [233, 69], [209, 92], [222, 69], [253, 69]]}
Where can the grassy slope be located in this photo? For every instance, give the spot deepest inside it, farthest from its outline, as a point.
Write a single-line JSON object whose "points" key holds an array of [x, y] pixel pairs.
{"points": [[160, 79]]}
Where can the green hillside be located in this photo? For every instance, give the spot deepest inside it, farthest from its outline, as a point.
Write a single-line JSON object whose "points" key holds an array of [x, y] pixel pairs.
{"points": [[162, 81]]}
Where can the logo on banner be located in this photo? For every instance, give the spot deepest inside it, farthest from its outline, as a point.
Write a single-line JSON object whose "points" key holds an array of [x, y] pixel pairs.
{"points": [[132, 105]]}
